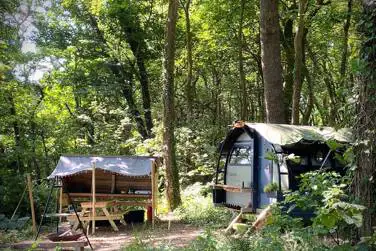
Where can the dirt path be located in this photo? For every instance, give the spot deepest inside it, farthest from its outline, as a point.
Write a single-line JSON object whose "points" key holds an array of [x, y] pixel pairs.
{"points": [[179, 235]]}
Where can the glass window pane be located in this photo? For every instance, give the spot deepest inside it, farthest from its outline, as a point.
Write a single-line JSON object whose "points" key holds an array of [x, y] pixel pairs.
{"points": [[242, 155]]}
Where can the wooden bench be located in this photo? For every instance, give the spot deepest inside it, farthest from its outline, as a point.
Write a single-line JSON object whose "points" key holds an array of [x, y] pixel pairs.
{"points": [[103, 206], [78, 245]]}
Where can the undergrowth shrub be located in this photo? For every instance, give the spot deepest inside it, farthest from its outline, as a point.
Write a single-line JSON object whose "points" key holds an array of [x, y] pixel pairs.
{"points": [[283, 232], [325, 194], [12, 236], [198, 209]]}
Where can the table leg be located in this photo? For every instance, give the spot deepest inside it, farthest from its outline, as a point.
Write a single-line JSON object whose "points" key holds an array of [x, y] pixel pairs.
{"points": [[109, 219]]}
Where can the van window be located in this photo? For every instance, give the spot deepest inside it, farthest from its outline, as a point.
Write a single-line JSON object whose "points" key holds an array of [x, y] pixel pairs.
{"points": [[242, 155]]}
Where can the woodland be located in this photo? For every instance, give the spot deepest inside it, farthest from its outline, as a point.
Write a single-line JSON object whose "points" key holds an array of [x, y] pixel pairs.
{"points": [[168, 77]]}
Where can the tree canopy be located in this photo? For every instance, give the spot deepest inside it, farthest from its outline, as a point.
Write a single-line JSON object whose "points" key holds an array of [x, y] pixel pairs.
{"points": [[86, 76]]}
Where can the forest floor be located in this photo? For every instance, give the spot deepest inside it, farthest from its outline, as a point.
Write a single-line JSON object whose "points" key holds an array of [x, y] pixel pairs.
{"points": [[105, 239], [179, 235]]}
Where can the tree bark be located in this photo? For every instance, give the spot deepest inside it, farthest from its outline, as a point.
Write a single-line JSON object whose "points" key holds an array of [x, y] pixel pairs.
{"points": [[190, 89], [271, 61], [364, 180], [330, 85], [242, 80], [17, 132], [125, 79], [138, 50], [288, 44], [299, 51], [310, 102], [346, 28], [128, 94], [172, 172]]}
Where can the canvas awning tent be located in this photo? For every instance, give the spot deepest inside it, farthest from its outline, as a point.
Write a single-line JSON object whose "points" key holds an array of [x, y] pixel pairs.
{"points": [[281, 134], [123, 165], [120, 180]]}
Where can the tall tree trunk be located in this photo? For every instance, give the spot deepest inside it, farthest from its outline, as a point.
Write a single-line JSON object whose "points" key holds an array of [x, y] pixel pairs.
{"points": [[122, 75], [17, 133], [172, 172], [146, 101], [346, 28], [242, 80], [307, 75], [330, 85], [138, 51], [260, 101], [364, 181], [190, 89], [128, 94], [310, 101], [125, 79], [271, 61], [288, 44], [299, 51], [35, 161]]}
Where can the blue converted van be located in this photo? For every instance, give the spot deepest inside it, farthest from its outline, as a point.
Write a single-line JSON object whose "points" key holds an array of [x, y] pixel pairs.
{"points": [[254, 156]]}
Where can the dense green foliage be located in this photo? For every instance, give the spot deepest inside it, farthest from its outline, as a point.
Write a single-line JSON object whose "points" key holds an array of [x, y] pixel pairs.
{"points": [[96, 59], [84, 77], [198, 209], [282, 232]]}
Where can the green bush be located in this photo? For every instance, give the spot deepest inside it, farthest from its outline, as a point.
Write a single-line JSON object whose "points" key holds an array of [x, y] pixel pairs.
{"points": [[324, 193], [12, 236], [199, 210], [271, 187]]}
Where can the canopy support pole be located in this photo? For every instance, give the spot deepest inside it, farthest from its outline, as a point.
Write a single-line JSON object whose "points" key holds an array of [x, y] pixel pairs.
{"points": [[153, 191], [93, 199], [30, 188]]}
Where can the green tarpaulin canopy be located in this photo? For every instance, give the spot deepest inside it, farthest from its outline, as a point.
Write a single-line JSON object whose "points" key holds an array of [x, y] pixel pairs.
{"points": [[280, 134]]}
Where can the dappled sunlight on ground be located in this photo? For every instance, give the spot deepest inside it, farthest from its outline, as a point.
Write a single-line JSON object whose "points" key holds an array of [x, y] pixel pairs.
{"points": [[179, 235]]}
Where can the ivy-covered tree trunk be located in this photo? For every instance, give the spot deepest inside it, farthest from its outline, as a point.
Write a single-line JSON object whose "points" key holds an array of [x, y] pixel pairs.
{"points": [[190, 88], [288, 45], [242, 80], [346, 28], [139, 51], [365, 128], [299, 54], [172, 172], [271, 61]]}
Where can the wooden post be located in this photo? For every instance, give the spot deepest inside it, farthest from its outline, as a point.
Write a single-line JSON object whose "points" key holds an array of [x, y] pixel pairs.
{"points": [[60, 202], [30, 188], [113, 183], [153, 192], [156, 176], [93, 198]]}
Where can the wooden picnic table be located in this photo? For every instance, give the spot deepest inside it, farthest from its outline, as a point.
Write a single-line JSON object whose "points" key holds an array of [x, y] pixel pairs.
{"points": [[108, 210]]}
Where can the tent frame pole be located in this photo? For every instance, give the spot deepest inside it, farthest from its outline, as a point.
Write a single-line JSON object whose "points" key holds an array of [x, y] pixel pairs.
{"points": [[45, 209], [74, 209], [79, 220]]}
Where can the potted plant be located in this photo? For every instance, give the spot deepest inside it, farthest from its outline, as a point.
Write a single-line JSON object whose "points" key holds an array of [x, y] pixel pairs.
{"points": [[271, 190]]}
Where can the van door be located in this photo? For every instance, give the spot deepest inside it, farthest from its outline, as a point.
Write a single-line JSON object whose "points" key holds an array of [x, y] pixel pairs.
{"points": [[239, 173]]}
